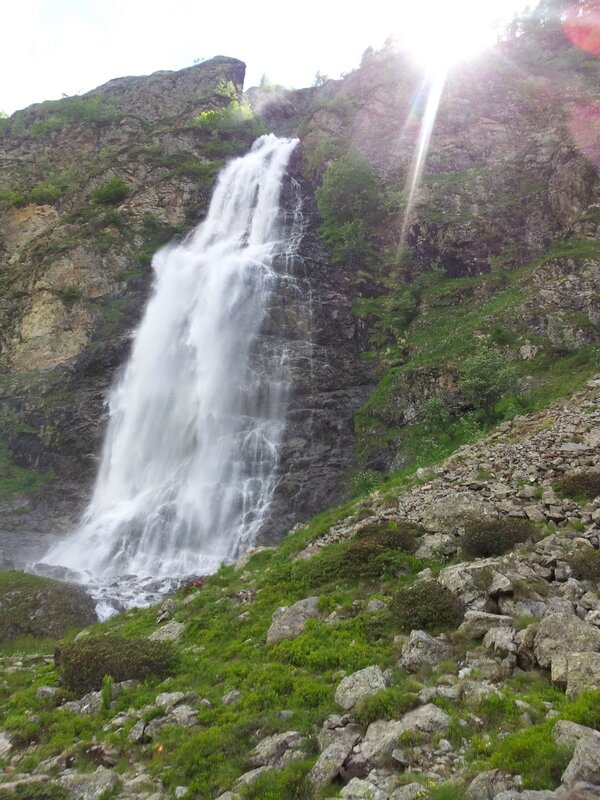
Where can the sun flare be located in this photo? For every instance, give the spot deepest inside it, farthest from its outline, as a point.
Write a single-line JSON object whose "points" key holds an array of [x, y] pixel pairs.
{"points": [[441, 33]]}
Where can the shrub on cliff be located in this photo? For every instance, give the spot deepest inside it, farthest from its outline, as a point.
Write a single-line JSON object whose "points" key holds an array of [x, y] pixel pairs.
{"points": [[492, 537], [426, 605], [85, 662], [347, 201], [111, 192]]}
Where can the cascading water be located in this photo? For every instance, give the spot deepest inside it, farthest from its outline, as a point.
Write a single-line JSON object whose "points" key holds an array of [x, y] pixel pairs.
{"points": [[189, 463]]}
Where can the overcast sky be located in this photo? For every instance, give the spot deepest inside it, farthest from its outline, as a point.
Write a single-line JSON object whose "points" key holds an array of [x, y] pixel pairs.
{"points": [[55, 47]]}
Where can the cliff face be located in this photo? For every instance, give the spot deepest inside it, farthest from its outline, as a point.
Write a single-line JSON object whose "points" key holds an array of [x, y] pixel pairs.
{"points": [[501, 247], [91, 186]]}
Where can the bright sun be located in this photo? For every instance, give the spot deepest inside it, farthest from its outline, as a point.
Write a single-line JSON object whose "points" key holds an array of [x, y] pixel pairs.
{"points": [[440, 33]]}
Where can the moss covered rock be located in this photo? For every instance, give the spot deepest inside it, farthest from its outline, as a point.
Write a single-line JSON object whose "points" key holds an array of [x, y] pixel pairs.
{"points": [[35, 606]]}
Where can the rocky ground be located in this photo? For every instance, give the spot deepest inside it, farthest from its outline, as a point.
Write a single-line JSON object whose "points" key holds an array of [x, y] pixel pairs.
{"points": [[502, 703]]}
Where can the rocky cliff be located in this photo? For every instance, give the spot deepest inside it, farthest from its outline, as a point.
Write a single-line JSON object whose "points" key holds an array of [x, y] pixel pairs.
{"points": [[498, 247]]}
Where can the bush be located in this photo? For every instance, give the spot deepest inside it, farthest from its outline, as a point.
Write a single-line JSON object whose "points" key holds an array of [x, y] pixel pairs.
{"points": [[347, 202], [385, 704], [34, 791], [486, 377], [426, 605], [433, 414], [483, 537], [111, 192], [533, 754], [392, 535], [585, 564], [580, 486], [86, 662], [45, 192]]}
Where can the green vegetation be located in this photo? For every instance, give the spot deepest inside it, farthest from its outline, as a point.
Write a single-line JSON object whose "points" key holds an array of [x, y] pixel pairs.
{"points": [[56, 114], [493, 537], [111, 191], [582, 486], [486, 377], [348, 202], [85, 663], [16, 480], [427, 605], [231, 128], [585, 564], [34, 606], [42, 790]]}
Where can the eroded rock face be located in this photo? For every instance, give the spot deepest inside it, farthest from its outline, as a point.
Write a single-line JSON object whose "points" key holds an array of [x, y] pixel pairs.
{"points": [[560, 634]]}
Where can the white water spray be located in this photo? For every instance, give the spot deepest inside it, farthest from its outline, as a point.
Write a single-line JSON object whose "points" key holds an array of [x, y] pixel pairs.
{"points": [[190, 458]]}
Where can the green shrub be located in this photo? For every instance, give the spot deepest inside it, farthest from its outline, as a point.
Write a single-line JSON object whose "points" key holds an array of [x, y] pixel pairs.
{"points": [[580, 486], [426, 605], [348, 201], [11, 198], [492, 537], [585, 564], [486, 376], [532, 754], [434, 414], [35, 791], [111, 192], [392, 535], [365, 482], [45, 192], [85, 663], [70, 295], [386, 704]]}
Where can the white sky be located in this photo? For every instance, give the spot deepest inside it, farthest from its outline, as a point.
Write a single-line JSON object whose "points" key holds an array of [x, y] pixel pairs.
{"points": [[55, 47]]}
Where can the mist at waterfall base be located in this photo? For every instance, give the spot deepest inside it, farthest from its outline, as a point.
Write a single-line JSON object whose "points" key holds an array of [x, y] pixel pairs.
{"points": [[189, 461]]}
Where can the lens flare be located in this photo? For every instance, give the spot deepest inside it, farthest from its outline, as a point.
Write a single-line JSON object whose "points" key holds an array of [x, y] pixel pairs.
{"points": [[581, 25]]}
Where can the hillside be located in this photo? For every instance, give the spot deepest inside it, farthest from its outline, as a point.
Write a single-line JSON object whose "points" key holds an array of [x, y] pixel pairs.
{"points": [[420, 615]]}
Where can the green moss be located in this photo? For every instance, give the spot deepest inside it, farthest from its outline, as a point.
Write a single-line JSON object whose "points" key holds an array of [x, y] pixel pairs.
{"points": [[18, 480]]}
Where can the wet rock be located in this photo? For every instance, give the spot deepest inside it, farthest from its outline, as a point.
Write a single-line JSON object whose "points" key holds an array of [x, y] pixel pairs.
{"points": [[359, 686], [422, 650], [289, 621]]}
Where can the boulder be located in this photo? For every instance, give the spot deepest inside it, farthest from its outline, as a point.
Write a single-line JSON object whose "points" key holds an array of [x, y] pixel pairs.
{"points": [[477, 623], [560, 634], [487, 785], [278, 750], [89, 786], [359, 686], [383, 736], [169, 700], [169, 632], [422, 650], [585, 764], [583, 673], [249, 778], [568, 734], [328, 765], [358, 789], [289, 621], [335, 728], [5, 744]]}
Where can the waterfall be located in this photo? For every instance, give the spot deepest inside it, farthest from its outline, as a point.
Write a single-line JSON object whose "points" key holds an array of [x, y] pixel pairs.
{"points": [[189, 461]]}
